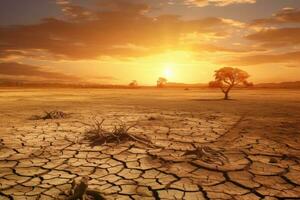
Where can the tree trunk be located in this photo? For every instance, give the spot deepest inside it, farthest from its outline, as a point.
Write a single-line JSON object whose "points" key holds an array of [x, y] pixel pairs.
{"points": [[226, 97]]}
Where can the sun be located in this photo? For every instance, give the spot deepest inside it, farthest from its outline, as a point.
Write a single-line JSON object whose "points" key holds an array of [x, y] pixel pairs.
{"points": [[168, 72]]}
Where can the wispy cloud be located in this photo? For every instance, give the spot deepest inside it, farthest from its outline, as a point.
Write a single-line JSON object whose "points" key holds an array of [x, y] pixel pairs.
{"points": [[30, 71], [284, 16], [202, 3], [277, 37], [257, 59]]}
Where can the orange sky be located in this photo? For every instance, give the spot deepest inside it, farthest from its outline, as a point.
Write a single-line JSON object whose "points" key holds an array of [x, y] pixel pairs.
{"points": [[116, 41]]}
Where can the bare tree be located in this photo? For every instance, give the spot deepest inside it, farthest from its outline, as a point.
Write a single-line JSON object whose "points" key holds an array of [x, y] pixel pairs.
{"points": [[161, 82], [227, 77]]}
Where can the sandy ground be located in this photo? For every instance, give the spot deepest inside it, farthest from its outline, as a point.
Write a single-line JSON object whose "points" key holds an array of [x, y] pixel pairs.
{"points": [[203, 147]]}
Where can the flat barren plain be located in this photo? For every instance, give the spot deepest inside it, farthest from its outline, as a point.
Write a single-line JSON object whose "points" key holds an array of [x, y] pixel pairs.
{"points": [[149, 144]]}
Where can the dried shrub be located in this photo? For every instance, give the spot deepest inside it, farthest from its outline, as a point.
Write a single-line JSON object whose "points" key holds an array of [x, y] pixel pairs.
{"points": [[1, 142], [273, 160], [97, 135], [152, 118], [208, 155], [55, 114], [80, 190]]}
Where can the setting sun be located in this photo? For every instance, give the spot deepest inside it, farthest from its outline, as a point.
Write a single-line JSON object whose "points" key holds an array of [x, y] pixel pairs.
{"points": [[168, 72]]}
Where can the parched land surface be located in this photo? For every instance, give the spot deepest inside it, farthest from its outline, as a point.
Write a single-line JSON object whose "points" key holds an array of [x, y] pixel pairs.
{"points": [[200, 147]]}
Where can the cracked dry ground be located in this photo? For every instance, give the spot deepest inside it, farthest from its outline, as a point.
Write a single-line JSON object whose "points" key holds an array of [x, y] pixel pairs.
{"points": [[39, 159]]}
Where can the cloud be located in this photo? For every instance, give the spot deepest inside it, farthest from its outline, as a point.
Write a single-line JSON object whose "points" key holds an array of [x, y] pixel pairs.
{"points": [[63, 2], [130, 6], [23, 70], [217, 49], [284, 16], [279, 31], [75, 12], [80, 13], [276, 37], [121, 30], [201, 3], [290, 57], [104, 78]]}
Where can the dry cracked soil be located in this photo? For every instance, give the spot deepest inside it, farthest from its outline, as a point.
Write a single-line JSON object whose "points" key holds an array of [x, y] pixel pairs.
{"points": [[202, 147]]}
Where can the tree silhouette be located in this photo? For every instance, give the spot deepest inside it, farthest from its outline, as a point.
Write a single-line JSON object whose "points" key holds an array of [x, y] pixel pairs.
{"points": [[161, 82], [133, 84], [227, 77]]}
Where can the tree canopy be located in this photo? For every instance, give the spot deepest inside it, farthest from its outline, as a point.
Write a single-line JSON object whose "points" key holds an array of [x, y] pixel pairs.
{"points": [[161, 82], [228, 77]]}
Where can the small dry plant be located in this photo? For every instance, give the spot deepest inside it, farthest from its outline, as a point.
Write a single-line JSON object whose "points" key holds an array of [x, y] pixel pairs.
{"points": [[208, 155], [55, 114], [97, 135], [80, 190], [1, 143]]}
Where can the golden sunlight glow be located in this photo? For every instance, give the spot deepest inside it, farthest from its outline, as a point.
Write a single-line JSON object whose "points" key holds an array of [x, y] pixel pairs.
{"points": [[176, 66], [181, 41], [168, 73]]}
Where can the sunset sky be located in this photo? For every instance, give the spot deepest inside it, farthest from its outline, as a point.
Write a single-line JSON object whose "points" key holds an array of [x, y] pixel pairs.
{"points": [[116, 41]]}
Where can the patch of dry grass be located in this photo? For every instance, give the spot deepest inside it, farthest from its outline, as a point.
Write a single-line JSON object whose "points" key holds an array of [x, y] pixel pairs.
{"points": [[97, 135], [55, 114], [208, 155]]}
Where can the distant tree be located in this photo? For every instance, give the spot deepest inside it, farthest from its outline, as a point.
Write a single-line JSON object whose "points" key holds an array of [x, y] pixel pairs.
{"points": [[227, 77], [133, 84], [249, 84], [161, 82]]}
